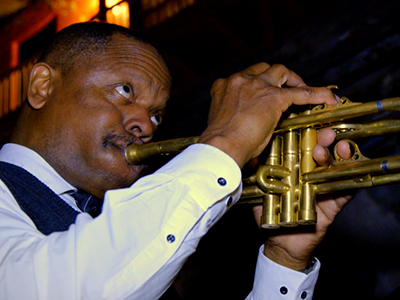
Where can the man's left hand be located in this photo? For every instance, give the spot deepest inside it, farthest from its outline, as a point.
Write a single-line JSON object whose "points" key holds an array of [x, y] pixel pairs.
{"points": [[294, 247]]}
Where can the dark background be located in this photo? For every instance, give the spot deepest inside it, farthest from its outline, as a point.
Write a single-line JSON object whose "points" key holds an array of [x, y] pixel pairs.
{"points": [[353, 44]]}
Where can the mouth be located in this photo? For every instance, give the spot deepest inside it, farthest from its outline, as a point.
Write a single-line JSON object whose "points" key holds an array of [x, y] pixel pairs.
{"points": [[121, 142]]}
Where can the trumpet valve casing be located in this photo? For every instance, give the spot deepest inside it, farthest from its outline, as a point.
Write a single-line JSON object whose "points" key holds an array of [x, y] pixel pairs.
{"points": [[307, 214], [288, 213]]}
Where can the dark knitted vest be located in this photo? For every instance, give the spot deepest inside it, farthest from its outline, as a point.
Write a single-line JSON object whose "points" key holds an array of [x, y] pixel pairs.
{"points": [[47, 210]]}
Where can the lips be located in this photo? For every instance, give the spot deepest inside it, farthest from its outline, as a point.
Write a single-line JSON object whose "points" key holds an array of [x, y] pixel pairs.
{"points": [[121, 142]]}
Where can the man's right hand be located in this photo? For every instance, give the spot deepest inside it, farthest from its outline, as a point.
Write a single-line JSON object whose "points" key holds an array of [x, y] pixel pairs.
{"points": [[247, 106]]}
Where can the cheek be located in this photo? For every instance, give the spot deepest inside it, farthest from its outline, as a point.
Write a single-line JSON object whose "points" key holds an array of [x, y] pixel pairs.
{"points": [[78, 146], [112, 173], [101, 169]]}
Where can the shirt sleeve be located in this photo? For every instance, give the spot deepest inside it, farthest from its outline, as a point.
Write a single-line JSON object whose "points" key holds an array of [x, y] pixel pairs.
{"points": [[134, 249], [273, 281]]}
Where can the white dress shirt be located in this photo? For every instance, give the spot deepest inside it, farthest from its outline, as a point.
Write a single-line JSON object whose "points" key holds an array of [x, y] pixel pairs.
{"points": [[143, 236]]}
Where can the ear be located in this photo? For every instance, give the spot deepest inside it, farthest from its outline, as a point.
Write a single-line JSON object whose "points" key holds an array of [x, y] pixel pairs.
{"points": [[39, 85]]}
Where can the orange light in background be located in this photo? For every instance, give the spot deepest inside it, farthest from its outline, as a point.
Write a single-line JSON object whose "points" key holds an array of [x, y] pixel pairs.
{"points": [[74, 11], [110, 3], [92, 8], [119, 14]]}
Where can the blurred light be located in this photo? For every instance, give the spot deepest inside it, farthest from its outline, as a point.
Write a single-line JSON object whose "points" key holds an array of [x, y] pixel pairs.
{"points": [[72, 11], [116, 10], [110, 3], [119, 14]]}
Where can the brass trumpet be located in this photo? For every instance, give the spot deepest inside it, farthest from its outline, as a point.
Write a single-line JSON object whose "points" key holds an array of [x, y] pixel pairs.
{"points": [[289, 180]]}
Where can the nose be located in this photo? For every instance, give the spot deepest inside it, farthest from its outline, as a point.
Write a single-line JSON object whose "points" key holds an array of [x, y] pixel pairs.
{"points": [[137, 122]]}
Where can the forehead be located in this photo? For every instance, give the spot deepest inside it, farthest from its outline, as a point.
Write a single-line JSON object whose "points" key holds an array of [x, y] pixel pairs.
{"points": [[127, 56]]}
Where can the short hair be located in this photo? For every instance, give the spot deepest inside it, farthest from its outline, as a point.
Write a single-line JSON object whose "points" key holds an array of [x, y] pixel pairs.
{"points": [[78, 42]]}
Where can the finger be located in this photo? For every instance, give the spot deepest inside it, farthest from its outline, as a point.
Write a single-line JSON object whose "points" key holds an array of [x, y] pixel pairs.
{"points": [[309, 95], [256, 69], [326, 137], [327, 209], [279, 75], [218, 87], [322, 155], [343, 149]]}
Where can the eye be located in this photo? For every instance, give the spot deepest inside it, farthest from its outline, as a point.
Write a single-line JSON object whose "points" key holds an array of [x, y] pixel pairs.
{"points": [[156, 120], [124, 90]]}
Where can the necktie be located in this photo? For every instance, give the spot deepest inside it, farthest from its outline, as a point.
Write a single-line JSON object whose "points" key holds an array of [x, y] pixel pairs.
{"points": [[88, 203]]}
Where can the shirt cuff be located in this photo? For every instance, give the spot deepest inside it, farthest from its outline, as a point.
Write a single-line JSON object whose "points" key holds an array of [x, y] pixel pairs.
{"points": [[274, 281], [209, 172]]}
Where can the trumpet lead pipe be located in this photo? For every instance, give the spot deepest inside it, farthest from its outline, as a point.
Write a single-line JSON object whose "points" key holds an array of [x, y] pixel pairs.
{"points": [[135, 154]]}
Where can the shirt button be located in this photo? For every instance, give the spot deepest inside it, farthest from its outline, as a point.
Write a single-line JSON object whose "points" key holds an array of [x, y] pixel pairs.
{"points": [[229, 201], [304, 295], [283, 290], [170, 238], [221, 181]]}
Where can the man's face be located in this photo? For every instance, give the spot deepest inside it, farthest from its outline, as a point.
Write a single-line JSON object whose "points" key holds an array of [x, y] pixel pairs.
{"points": [[97, 111]]}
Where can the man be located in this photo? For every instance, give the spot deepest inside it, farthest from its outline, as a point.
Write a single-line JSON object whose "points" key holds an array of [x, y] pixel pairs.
{"points": [[96, 89]]}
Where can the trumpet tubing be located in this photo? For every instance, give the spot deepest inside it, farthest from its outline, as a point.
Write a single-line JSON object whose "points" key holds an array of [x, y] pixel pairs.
{"points": [[137, 154], [289, 180]]}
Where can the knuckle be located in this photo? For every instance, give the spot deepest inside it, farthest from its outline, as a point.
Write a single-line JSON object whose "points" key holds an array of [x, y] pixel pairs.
{"points": [[308, 91], [314, 93], [258, 82], [263, 65], [218, 84], [279, 67], [236, 78]]}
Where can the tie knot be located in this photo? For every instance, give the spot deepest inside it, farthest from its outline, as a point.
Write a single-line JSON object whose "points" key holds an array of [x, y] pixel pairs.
{"points": [[87, 202]]}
